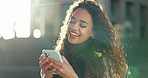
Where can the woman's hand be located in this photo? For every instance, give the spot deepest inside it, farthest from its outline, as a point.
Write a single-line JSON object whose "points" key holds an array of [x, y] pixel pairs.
{"points": [[45, 65], [63, 69]]}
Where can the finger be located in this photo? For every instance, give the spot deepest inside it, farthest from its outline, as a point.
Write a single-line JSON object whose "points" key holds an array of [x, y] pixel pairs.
{"points": [[53, 70], [58, 68], [48, 66], [55, 62], [43, 61], [64, 59], [58, 72], [41, 56]]}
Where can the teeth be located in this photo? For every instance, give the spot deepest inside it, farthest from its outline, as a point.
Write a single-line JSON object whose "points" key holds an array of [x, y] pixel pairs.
{"points": [[74, 34]]}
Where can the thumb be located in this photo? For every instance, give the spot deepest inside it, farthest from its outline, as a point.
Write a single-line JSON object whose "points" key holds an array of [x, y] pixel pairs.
{"points": [[64, 60]]}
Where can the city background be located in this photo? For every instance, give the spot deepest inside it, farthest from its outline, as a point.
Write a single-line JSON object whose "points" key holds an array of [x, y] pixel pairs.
{"points": [[28, 26]]}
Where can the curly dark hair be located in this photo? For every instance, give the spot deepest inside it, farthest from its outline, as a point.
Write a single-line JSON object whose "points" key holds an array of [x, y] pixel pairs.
{"points": [[115, 57]]}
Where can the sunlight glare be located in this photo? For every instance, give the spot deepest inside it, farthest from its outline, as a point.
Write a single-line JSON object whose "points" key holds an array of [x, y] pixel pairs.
{"points": [[37, 33], [15, 18]]}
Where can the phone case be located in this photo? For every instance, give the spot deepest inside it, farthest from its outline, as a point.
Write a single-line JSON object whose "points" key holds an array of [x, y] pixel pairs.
{"points": [[52, 54]]}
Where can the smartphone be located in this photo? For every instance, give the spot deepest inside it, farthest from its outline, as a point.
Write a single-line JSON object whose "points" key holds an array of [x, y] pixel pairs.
{"points": [[55, 55]]}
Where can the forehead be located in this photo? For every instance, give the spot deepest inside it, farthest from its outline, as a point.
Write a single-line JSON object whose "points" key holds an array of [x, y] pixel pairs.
{"points": [[83, 14]]}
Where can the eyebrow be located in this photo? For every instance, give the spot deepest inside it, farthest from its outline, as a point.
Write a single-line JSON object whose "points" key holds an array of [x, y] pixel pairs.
{"points": [[83, 21], [80, 20]]}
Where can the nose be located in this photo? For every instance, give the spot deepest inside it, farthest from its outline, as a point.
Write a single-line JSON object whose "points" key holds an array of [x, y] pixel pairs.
{"points": [[75, 26]]}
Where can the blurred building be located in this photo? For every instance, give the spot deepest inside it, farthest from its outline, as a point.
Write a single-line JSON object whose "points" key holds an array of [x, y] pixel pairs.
{"points": [[130, 17], [48, 16]]}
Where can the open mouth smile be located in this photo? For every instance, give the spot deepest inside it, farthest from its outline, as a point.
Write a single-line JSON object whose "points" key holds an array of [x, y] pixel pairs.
{"points": [[73, 34]]}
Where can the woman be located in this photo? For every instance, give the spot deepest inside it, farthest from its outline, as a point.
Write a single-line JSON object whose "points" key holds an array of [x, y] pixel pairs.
{"points": [[89, 45]]}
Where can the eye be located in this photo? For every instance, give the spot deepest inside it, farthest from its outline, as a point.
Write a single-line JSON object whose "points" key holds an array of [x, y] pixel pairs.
{"points": [[82, 26], [72, 20]]}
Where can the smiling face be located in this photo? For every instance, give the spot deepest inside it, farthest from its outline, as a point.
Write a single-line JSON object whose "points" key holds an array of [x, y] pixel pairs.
{"points": [[80, 26]]}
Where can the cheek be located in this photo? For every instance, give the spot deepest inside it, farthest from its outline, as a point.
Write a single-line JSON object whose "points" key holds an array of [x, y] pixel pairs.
{"points": [[86, 33], [69, 27]]}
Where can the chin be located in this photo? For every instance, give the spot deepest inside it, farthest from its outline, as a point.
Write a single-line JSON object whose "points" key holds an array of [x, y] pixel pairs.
{"points": [[72, 42]]}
